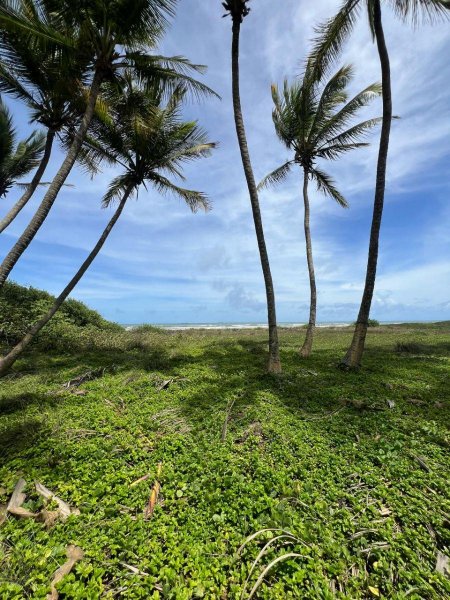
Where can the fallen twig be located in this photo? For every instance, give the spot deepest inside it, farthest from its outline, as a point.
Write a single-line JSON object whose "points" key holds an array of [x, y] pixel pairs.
{"points": [[421, 462], [88, 376], [134, 570], [74, 554], [143, 478], [230, 405], [325, 415], [17, 499]]}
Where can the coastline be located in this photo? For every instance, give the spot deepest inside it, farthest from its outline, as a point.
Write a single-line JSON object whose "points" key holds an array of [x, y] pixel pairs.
{"points": [[237, 326]]}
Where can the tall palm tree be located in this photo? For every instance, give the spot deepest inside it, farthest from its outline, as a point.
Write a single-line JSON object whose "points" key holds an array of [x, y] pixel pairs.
{"points": [[16, 160], [150, 145], [48, 81], [109, 37], [238, 10], [312, 120], [332, 35]]}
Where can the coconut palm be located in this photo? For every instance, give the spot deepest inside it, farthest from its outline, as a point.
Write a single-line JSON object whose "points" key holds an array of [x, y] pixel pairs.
{"points": [[16, 160], [332, 35], [109, 37], [48, 82], [238, 10], [312, 120], [150, 145]]}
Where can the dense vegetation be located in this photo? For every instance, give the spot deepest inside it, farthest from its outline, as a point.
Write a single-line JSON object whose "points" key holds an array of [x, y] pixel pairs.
{"points": [[355, 466], [21, 306]]}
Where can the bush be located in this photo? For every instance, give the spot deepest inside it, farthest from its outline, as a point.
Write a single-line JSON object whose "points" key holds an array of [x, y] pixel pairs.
{"points": [[370, 323]]}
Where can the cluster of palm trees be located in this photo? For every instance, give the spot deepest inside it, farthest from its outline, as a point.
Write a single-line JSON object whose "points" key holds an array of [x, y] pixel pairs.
{"points": [[89, 73], [310, 118]]}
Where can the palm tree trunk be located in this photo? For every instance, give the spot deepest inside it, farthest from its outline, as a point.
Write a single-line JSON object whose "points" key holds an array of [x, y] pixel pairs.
{"points": [[12, 214], [7, 361], [274, 364], [39, 217], [307, 344], [352, 359]]}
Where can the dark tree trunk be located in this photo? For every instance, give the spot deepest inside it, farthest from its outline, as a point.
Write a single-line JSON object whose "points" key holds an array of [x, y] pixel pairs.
{"points": [[274, 365], [7, 361], [307, 344], [39, 217], [15, 210], [352, 359]]}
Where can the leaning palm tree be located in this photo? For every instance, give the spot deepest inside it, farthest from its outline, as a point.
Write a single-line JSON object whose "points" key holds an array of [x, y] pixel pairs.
{"points": [[150, 145], [332, 35], [109, 37], [312, 120], [16, 160], [238, 10]]}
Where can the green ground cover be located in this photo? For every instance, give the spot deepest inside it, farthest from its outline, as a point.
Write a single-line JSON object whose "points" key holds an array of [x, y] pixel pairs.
{"points": [[354, 465]]}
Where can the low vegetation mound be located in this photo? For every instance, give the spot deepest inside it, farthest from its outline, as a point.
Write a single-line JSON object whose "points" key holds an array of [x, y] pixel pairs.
{"points": [[21, 307]]}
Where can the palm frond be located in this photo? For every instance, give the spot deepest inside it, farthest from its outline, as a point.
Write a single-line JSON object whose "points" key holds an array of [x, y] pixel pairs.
{"points": [[331, 35], [325, 184], [334, 152], [195, 200], [332, 96], [426, 10], [276, 176], [341, 119], [117, 188], [351, 135]]}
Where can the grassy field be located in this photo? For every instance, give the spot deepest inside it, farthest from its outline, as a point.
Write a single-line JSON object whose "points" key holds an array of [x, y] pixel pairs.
{"points": [[353, 465]]}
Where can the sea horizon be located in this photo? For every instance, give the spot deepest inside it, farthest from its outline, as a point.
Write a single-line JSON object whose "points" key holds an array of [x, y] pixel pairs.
{"points": [[256, 325]]}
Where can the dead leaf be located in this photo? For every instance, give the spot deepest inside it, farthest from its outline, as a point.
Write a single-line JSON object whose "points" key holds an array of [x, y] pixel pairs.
{"points": [[154, 494], [3, 514], [385, 512], [143, 478], [74, 554], [442, 564]]}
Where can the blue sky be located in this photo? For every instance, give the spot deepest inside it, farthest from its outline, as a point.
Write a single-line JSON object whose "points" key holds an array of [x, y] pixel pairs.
{"points": [[163, 264]]}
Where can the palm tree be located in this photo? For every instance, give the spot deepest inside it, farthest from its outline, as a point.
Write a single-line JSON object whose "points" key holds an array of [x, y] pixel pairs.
{"points": [[150, 145], [312, 120], [16, 161], [48, 82], [109, 37], [238, 10], [332, 35]]}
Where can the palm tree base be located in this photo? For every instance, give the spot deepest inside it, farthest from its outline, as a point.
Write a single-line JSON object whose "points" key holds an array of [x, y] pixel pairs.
{"points": [[274, 365], [353, 357], [306, 349]]}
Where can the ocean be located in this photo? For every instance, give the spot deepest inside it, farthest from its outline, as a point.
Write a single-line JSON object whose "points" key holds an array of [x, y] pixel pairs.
{"points": [[183, 326]]}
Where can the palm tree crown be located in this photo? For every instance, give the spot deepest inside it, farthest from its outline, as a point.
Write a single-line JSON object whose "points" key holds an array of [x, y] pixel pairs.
{"points": [[334, 32], [16, 160], [149, 141], [312, 120]]}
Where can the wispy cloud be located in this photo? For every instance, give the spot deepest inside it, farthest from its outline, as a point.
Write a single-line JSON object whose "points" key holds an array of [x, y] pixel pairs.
{"points": [[164, 264]]}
